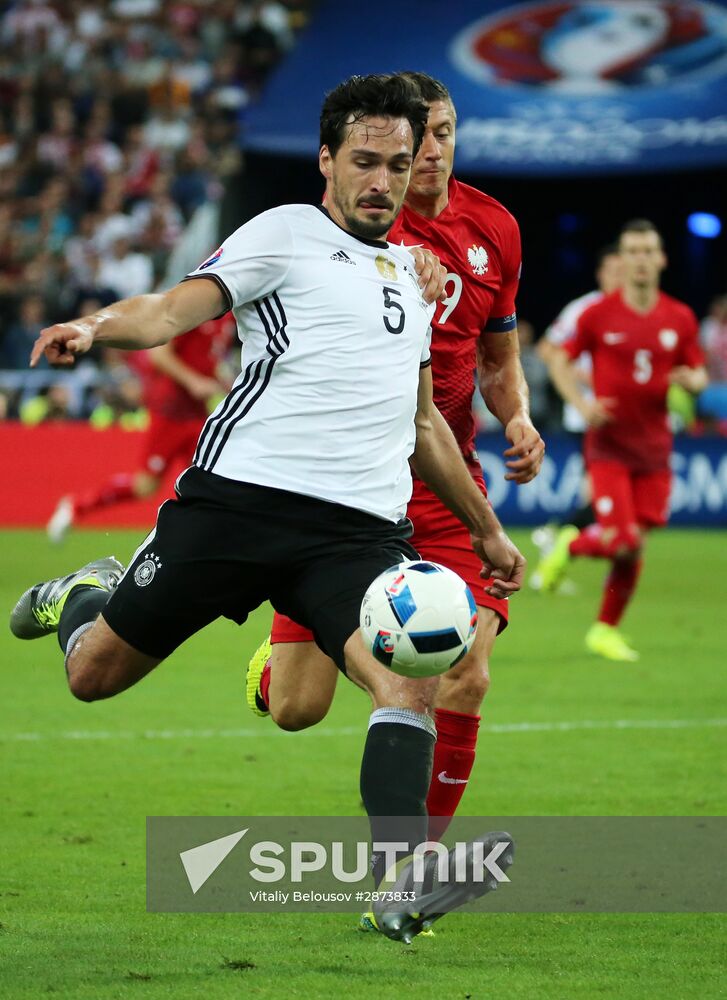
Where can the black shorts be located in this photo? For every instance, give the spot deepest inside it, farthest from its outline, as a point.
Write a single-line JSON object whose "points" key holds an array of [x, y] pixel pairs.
{"points": [[223, 547]]}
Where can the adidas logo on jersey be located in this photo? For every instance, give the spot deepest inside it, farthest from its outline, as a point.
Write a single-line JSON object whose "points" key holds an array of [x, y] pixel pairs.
{"points": [[343, 257]]}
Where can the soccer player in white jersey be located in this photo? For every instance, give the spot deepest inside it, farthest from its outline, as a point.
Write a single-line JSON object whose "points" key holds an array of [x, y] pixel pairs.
{"points": [[478, 241], [301, 477]]}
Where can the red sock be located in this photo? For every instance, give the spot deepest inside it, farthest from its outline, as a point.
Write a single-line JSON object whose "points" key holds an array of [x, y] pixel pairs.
{"points": [[265, 684], [589, 543], [454, 757], [118, 488], [618, 589]]}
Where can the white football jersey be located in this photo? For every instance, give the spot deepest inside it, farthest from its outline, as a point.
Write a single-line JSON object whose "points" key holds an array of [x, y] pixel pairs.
{"points": [[563, 328], [334, 331]]}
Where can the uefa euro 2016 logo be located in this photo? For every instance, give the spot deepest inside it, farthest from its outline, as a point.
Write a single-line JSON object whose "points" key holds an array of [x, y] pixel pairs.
{"points": [[595, 47]]}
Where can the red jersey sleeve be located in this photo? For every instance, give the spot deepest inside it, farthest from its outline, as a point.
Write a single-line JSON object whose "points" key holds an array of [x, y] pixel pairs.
{"points": [[503, 316], [583, 338], [690, 352]]}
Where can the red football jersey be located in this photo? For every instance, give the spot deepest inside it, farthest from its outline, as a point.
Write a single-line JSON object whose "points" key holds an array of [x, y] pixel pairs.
{"points": [[202, 349], [478, 242], [633, 354]]}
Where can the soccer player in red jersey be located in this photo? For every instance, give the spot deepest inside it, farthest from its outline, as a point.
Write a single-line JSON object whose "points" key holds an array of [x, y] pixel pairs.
{"points": [[183, 375], [474, 328], [641, 341]]}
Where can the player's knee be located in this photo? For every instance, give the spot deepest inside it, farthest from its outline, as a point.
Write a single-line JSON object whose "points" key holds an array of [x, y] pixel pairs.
{"points": [[481, 684], [97, 674], [627, 560], [292, 715], [627, 554], [472, 688], [469, 682], [88, 685], [629, 551], [626, 544]]}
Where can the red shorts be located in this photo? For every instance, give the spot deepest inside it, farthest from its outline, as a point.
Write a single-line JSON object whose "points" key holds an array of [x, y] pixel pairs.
{"points": [[168, 439], [624, 498], [438, 537]]}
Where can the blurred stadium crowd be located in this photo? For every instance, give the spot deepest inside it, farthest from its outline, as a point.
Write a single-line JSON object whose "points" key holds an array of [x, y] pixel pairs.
{"points": [[118, 122]]}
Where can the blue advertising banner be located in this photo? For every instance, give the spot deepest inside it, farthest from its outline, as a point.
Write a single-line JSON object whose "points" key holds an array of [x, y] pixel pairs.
{"points": [[699, 491], [565, 88]]}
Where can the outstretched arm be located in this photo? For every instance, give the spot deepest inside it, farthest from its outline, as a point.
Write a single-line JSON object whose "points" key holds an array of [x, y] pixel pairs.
{"points": [[438, 462], [132, 324], [504, 389]]}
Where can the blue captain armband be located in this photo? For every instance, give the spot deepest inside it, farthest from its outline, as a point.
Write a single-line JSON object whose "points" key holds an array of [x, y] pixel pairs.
{"points": [[501, 324]]}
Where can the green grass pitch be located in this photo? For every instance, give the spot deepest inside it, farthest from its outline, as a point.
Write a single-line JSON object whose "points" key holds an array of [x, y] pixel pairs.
{"points": [[77, 781]]}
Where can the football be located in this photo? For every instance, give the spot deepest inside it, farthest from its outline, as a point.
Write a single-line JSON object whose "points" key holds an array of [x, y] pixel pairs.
{"points": [[418, 618]]}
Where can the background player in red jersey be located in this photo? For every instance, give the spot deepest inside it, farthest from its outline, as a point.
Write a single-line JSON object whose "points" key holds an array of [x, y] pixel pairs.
{"points": [[474, 327], [563, 327], [183, 376], [641, 341]]}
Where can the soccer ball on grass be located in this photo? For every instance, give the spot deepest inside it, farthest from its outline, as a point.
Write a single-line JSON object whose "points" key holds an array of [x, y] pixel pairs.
{"points": [[418, 618]]}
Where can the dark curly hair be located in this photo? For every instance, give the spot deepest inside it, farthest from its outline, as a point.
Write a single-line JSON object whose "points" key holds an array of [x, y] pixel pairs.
{"points": [[388, 95]]}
